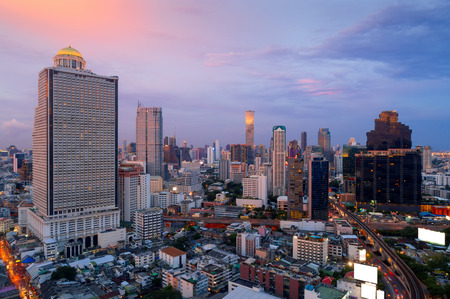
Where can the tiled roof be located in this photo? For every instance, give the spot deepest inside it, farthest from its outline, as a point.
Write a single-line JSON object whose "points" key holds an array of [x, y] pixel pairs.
{"points": [[173, 252]]}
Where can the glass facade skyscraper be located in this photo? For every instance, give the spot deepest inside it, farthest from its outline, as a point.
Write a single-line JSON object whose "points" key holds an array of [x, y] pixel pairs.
{"points": [[149, 139]]}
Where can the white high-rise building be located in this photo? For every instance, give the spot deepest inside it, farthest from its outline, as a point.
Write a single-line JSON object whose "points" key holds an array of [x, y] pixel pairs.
{"points": [[134, 192], [148, 223], [279, 161], [217, 151], [210, 156], [74, 156], [426, 157], [255, 186], [149, 139]]}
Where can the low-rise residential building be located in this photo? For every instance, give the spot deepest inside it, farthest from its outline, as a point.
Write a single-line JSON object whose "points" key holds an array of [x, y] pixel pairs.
{"points": [[246, 244], [310, 247], [144, 258], [6, 224], [193, 284], [174, 257]]}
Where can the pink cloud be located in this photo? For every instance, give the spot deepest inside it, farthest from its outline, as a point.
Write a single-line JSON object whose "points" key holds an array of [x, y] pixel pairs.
{"points": [[316, 87]]}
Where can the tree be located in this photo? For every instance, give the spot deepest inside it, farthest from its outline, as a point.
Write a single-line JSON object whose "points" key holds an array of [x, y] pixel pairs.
{"points": [[335, 184], [64, 272], [231, 241], [157, 282], [165, 293]]}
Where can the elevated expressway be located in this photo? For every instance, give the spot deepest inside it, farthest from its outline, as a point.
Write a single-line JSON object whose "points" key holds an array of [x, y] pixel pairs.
{"points": [[412, 283]]}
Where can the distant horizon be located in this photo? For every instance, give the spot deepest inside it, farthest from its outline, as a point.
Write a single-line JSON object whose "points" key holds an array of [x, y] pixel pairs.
{"points": [[304, 65]]}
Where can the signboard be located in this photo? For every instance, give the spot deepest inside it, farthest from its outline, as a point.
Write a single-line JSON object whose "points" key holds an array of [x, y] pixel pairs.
{"points": [[431, 236], [366, 273], [369, 290]]}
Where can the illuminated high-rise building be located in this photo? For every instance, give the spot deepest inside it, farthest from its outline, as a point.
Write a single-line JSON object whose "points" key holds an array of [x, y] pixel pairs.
{"points": [[296, 188], [74, 155], [250, 128], [389, 133], [149, 139], [279, 160], [318, 188], [389, 174], [324, 139]]}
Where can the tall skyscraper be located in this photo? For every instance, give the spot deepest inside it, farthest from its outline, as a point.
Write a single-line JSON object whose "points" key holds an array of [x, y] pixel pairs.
{"points": [[388, 133], [250, 128], [318, 188], [427, 158], [239, 153], [149, 139], [295, 188], [390, 173], [279, 160], [391, 178], [217, 151], [324, 137], [74, 156], [304, 141]]}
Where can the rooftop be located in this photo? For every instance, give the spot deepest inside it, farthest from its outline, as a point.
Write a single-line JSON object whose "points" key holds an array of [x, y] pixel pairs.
{"points": [[173, 252]]}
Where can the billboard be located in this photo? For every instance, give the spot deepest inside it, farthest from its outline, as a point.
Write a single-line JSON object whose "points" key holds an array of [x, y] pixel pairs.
{"points": [[431, 236], [362, 255], [366, 273], [380, 294], [369, 290]]}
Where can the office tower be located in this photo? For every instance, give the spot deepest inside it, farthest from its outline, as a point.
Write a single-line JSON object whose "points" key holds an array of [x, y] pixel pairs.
{"points": [[293, 149], [124, 149], [149, 142], [389, 175], [26, 171], [131, 148], [304, 141], [12, 149], [255, 186], [217, 152], [149, 223], [74, 156], [18, 161], [210, 156], [184, 144], [349, 165], [224, 169], [324, 139], [250, 128], [279, 160], [134, 190], [392, 178], [318, 188], [388, 133], [427, 158], [238, 171], [239, 153], [296, 188]]}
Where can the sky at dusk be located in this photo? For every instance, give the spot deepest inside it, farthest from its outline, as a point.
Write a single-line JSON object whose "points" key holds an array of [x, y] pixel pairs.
{"points": [[302, 64]]}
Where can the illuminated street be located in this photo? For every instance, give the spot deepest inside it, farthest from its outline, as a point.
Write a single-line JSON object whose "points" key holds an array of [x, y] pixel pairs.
{"points": [[16, 273]]}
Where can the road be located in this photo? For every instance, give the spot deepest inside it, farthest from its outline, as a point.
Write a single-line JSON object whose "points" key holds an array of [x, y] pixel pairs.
{"points": [[409, 278], [269, 222], [16, 273]]}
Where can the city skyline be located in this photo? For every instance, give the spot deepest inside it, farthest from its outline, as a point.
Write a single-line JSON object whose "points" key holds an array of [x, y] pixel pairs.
{"points": [[301, 65]]}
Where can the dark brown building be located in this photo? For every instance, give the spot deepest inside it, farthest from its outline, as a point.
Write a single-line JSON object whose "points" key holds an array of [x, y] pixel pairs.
{"points": [[389, 133], [392, 178], [295, 188], [239, 153]]}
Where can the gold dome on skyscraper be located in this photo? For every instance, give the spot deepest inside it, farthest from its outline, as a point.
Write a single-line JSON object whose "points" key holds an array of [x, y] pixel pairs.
{"points": [[69, 58], [69, 51]]}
